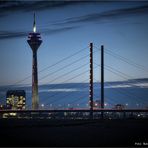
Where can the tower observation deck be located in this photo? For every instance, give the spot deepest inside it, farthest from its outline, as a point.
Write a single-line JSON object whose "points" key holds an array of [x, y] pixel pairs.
{"points": [[34, 40]]}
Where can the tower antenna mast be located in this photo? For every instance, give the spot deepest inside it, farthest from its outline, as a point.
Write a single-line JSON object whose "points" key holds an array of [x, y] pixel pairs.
{"points": [[34, 25]]}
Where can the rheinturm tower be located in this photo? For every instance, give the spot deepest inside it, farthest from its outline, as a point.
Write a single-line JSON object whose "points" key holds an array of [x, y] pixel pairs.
{"points": [[34, 40]]}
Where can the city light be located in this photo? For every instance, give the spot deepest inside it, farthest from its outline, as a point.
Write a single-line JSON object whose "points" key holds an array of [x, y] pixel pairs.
{"points": [[34, 29], [96, 104]]}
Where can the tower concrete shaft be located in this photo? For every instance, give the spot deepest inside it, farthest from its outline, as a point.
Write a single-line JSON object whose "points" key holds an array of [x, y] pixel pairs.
{"points": [[34, 40], [35, 98]]}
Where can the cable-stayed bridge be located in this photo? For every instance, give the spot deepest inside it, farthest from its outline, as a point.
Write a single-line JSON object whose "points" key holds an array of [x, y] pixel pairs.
{"points": [[76, 69]]}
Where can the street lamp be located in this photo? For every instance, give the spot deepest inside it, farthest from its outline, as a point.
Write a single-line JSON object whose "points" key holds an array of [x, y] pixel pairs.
{"points": [[42, 105]]}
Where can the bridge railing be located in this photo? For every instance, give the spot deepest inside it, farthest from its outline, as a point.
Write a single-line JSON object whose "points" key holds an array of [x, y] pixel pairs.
{"points": [[76, 114]]}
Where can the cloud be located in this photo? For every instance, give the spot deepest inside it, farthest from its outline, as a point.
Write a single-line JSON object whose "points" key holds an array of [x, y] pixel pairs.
{"points": [[58, 30], [129, 85], [7, 7], [12, 6], [63, 90], [119, 86], [57, 90], [65, 24], [18, 34], [141, 85], [11, 34], [105, 16]]}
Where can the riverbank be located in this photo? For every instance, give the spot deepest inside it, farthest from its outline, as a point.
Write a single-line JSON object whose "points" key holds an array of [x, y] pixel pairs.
{"points": [[73, 133]]}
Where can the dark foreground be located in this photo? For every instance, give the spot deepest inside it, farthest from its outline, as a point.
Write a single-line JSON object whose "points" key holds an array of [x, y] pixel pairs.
{"points": [[73, 133]]}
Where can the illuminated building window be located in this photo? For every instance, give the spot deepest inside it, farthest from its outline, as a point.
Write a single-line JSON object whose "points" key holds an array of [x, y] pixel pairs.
{"points": [[16, 99]]}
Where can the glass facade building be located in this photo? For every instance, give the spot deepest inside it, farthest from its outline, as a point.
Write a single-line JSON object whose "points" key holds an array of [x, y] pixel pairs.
{"points": [[16, 99]]}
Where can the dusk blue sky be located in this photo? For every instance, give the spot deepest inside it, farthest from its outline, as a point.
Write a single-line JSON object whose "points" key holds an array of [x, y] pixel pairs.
{"points": [[67, 27]]}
